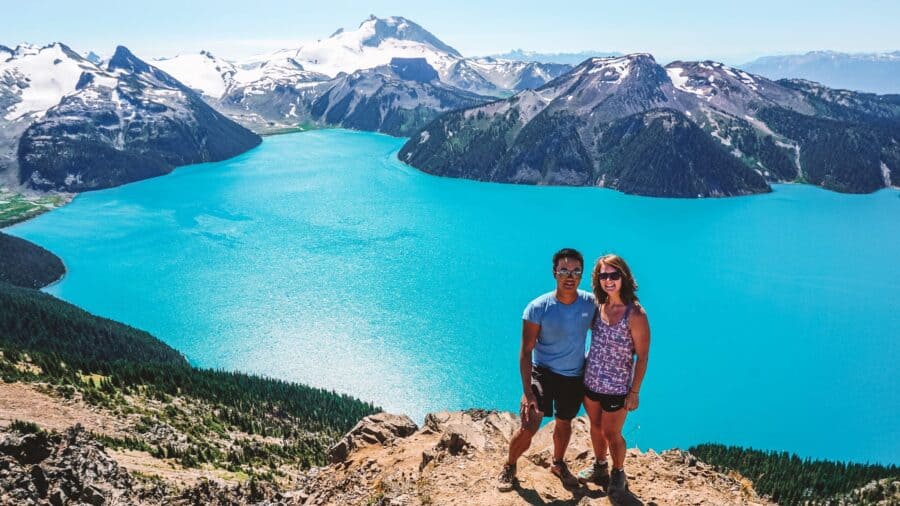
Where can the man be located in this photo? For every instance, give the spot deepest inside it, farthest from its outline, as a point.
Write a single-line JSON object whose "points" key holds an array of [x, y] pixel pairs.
{"points": [[554, 327]]}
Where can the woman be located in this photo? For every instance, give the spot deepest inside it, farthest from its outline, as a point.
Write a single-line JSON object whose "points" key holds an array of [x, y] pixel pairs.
{"points": [[620, 333]]}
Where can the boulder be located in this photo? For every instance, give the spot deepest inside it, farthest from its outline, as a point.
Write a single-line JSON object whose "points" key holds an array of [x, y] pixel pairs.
{"points": [[375, 429]]}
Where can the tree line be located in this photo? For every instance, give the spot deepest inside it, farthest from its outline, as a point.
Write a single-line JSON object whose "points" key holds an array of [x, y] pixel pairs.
{"points": [[787, 478]]}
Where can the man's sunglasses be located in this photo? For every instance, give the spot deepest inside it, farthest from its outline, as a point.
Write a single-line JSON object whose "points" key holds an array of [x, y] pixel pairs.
{"points": [[565, 273], [615, 276]]}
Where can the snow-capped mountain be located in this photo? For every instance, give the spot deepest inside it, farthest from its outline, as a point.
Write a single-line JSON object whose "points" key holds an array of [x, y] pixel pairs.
{"points": [[375, 42], [688, 129], [493, 76], [563, 58], [70, 125], [867, 72], [32, 80], [36, 78], [203, 72]]}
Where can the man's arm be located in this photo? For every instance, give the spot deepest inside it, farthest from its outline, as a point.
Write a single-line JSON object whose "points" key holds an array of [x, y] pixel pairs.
{"points": [[530, 333], [640, 334]]}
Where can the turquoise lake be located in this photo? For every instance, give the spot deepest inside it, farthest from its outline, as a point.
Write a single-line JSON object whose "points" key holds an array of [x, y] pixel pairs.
{"points": [[319, 257]]}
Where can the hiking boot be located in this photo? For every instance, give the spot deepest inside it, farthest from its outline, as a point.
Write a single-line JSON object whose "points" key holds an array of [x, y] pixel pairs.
{"points": [[506, 481], [561, 470], [597, 474], [617, 482]]}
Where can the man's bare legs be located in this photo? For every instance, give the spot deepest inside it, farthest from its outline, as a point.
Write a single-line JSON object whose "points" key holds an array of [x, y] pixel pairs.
{"points": [[521, 440]]}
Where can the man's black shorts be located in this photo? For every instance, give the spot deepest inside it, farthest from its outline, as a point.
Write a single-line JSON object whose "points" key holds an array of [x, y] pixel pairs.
{"points": [[565, 393], [608, 402]]}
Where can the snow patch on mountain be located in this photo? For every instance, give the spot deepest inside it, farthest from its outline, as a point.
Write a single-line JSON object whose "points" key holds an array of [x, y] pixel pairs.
{"points": [[200, 71], [39, 77]]}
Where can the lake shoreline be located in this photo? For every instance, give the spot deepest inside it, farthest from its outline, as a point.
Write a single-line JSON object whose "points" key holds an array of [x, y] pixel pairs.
{"points": [[219, 228]]}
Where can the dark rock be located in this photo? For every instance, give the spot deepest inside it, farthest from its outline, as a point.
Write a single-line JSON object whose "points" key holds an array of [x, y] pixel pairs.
{"points": [[40, 480], [26, 449], [414, 69], [57, 498], [93, 495]]}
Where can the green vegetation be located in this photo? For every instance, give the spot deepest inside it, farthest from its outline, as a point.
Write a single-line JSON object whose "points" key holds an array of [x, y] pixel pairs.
{"points": [[25, 427], [28, 265], [15, 207], [840, 155], [63, 345], [662, 153], [35, 321], [787, 478], [246, 424]]}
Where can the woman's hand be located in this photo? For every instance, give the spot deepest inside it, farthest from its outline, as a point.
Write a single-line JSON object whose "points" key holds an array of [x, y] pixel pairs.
{"points": [[631, 401]]}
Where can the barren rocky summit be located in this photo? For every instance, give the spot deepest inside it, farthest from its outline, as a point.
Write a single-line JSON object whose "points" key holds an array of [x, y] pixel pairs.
{"points": [[455, 457]]}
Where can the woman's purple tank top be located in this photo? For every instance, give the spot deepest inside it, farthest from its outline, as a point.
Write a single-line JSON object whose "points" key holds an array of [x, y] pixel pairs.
{"points": [[610, 360]]}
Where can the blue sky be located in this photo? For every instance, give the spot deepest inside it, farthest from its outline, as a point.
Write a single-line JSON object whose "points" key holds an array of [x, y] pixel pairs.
{"points": [[670, 30]]}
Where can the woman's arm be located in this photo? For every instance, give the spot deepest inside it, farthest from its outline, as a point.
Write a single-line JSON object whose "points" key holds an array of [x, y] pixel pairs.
{"points": [[640, 334]]}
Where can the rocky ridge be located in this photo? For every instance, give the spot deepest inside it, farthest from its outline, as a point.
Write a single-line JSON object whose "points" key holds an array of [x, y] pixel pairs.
{"points": [[385, 459], [69, 125], [688, 129], [454, 457]]}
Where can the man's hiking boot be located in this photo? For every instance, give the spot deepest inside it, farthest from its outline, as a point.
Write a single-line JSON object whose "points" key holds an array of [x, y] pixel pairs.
{"points": [[597, 474], [617, 482], [561, 470], [506, 481]]}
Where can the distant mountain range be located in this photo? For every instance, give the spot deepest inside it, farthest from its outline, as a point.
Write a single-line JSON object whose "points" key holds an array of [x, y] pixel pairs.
{"points": [[867, 72], [564, 58], [278, 90], [73, 123], [688, 129]]}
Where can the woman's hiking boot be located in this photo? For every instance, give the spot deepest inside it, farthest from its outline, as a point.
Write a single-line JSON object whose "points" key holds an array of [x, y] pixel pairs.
{"points": [[506, 481], [617, 482], [597, 474], [561, 470]]}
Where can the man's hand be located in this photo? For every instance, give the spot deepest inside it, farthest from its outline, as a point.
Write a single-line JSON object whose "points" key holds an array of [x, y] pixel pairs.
{"points": [[529, 402]]}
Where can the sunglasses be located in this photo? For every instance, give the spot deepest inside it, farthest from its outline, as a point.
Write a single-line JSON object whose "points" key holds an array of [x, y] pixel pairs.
{"points": [[565, 273], [614, 276]]}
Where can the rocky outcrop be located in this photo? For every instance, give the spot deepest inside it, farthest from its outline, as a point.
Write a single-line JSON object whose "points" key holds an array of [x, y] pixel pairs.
{"points": [[454, 457], [374, 429], [71, 468]]}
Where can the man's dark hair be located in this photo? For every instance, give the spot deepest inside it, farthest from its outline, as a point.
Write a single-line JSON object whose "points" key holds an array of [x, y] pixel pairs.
{"points": [[567, 253]]}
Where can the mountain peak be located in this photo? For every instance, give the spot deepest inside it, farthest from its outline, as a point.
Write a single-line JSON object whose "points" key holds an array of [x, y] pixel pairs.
{"points": [[374, 30], [124, 59]]}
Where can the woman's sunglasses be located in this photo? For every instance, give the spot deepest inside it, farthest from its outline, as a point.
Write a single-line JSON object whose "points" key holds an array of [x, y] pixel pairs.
{"points": [[614, 276]]}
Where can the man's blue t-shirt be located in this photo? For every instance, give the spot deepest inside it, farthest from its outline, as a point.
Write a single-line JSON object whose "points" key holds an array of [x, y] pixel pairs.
{"points": [[560, 344]]}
